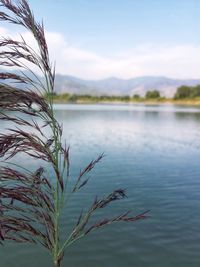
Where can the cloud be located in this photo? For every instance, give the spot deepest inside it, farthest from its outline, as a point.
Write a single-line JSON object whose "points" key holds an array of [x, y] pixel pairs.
{"points": [[176, 61]]}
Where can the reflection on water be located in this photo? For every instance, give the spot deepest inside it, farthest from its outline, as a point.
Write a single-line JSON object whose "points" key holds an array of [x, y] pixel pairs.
{"points": [[153, 151]]}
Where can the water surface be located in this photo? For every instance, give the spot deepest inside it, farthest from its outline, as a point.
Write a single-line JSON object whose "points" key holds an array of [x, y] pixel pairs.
{"points": [[154, 152]]}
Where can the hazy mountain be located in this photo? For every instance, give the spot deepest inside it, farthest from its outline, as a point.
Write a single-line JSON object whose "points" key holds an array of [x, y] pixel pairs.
{"points": [[116, 86]]}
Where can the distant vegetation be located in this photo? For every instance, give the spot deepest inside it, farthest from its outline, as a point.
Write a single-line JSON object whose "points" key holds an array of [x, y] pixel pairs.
{"points": [[189, 94], [152, 94], [75, 98]]}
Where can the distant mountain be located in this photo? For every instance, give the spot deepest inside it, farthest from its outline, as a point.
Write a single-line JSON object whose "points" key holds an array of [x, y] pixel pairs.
{"points": [[116, 86]]}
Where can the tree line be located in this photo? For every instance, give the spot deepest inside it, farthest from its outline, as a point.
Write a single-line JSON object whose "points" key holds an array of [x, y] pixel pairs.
{"points": [[182, 92], [74, 98]]}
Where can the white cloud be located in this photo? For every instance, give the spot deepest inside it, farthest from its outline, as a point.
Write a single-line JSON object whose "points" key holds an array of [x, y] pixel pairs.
{"points": [[177, 61]]}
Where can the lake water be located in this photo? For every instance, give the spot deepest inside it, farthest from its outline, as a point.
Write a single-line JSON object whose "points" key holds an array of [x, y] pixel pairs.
{"points": [[153, 152]]}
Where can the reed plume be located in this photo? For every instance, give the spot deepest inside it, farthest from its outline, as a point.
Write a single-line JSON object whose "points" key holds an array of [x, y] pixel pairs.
{"points": [[30, 202]]}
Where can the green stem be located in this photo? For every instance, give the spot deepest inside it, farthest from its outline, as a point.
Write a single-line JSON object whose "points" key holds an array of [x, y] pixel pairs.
{"points": [[57, 189], [56, 263]]}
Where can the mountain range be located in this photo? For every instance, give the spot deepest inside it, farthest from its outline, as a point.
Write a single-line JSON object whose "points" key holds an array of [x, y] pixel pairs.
{"points": [[115, 86]]}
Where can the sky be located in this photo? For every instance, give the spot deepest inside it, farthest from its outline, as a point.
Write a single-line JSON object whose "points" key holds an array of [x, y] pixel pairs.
{"points": [[96, 39]]}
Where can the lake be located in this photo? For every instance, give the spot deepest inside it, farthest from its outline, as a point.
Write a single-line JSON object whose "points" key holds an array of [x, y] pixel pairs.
{"points": [[153, 152]]}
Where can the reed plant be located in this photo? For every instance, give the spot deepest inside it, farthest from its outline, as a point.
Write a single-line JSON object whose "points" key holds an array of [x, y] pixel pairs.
{"points": [[31, 202]]}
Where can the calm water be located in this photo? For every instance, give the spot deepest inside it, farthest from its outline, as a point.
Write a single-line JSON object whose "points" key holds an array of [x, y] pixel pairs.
{"points": [[154, 152]]}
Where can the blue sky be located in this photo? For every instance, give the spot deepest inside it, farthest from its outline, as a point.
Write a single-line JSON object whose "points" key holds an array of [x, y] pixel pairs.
{"points": [[108, 25], [123, 38]]}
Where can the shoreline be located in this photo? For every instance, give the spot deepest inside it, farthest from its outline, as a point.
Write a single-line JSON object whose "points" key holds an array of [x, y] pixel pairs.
{"points": [[187, 102]]}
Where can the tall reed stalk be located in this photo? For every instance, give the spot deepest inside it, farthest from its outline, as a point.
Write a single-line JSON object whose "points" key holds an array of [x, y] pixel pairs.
{"points": [[31, 203]]}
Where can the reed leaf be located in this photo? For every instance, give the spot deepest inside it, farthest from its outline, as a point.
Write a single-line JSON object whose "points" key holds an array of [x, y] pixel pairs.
{"points": [[31, 202]]}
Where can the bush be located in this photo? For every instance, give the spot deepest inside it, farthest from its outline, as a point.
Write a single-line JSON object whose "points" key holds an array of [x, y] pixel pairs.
{"points": [[136, 96], [152, 94], [184, 91]]}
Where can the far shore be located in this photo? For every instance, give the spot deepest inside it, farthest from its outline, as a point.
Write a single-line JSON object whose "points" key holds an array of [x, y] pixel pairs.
{"points": [[184, 102]]}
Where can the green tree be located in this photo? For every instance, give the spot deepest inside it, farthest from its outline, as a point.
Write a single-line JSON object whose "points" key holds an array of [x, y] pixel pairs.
{"points": [[136, 96], [154, 94], [183, 92], [195, 92]]}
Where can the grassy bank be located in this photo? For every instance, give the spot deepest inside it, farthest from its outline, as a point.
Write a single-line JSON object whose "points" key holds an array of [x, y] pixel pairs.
{"points": [[88, 99]]}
